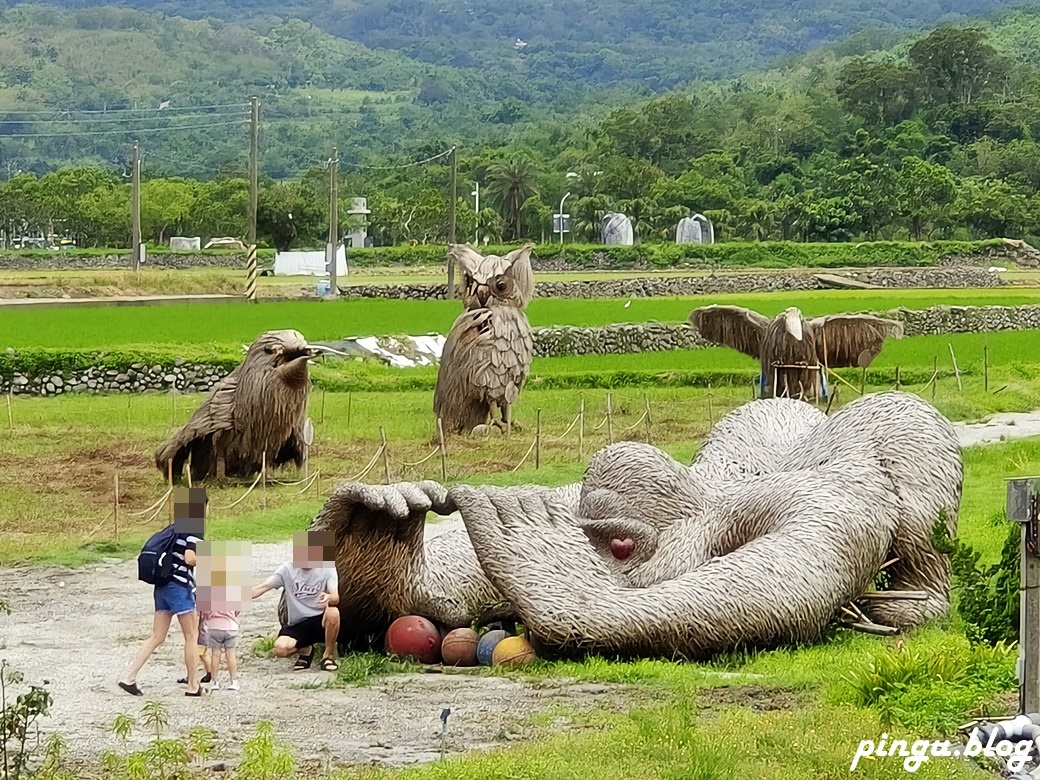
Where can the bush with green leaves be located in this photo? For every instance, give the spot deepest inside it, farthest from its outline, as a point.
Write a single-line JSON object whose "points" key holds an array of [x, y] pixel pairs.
{"points": [[736, 254]]}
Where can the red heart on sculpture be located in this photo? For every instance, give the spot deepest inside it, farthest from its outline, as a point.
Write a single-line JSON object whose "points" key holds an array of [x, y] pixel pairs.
{"points": [[622, 548]]}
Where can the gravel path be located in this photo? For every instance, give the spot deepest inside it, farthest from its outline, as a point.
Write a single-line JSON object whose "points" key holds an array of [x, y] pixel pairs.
{"points": [[79, 629]]}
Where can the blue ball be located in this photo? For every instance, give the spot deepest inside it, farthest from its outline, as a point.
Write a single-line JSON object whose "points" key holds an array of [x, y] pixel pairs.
{"points": [[486, 646]]}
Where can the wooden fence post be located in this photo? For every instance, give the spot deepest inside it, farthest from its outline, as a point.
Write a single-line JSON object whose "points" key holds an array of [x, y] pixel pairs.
{"points": [[649, 421], [898, 385], [711, 410], [956, 370], [115, 507], [985, 367], [444, 452], [610, 421], [935, 375], [581, 430], [263, 478], [10, 412], [538, 441], [386, 459]]}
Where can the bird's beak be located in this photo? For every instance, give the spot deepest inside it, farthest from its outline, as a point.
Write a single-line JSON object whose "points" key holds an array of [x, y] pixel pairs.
{"points": [[793, 320], [318, 349]]}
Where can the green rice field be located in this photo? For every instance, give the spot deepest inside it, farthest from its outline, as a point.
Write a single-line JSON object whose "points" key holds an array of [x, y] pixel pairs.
{"points": [[234, 323]]}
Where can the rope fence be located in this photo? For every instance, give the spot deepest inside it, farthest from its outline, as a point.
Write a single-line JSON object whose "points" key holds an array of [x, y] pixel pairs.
{"points": [[137, 519]]}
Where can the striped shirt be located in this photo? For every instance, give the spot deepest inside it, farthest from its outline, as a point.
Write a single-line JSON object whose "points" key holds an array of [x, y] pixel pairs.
{"points": [[182, 572]]}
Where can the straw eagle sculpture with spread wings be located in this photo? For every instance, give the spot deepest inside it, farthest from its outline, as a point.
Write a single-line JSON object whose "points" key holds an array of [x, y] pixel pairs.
{"points": [[257, 411], [794, 352], [487, 355], [779, 526]]}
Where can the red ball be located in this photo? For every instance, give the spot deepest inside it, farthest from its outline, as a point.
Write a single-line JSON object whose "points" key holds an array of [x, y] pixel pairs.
{"points": [[459, 647], [414, 637]]}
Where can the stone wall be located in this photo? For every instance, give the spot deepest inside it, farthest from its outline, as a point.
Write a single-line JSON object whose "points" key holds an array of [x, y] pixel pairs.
{"points": [[623, 338], [716, 284], [56, 261], [182, 377]]}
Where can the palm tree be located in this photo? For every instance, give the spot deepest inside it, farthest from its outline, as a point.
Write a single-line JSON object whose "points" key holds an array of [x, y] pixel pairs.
{"points": [[510, 184]]}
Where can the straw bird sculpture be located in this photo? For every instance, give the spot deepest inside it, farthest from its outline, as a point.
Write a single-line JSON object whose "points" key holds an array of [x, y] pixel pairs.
{"points": [[487, 355], [785, 517], [794, 353], [258, 411]]}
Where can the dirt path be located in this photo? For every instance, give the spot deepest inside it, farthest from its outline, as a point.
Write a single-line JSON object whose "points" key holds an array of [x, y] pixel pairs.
{"points": [[1011, 425], [78, 630]]}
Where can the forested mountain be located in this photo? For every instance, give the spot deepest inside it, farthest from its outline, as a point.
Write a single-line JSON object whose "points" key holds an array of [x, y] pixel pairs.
{"points": [[375, 77], [933, 135]]}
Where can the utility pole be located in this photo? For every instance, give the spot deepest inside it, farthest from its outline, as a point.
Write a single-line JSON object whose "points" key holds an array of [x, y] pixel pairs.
{"points": [[333, 220], [136, 206], [453, 205], [254, 165]]}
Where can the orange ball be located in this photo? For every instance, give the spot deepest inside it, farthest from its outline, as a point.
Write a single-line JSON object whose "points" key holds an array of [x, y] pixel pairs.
{"points": [[459, 647]]}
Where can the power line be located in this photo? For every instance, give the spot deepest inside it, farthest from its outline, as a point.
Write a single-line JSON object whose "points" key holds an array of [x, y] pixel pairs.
{"points": [[107, 119], [171, 109], [403, 165], [124, 131]]}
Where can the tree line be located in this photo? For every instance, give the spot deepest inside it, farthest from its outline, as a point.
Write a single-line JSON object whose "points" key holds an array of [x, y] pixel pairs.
{"points": [[937, 143]]}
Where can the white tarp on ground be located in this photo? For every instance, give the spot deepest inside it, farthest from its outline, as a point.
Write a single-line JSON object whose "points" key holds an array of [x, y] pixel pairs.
{"points": [[308, 263], [405, 351]]}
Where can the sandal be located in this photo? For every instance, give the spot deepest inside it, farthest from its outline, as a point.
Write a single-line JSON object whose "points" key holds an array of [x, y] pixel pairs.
{"points": [[131, 688], [303, 662], [329, 665]]}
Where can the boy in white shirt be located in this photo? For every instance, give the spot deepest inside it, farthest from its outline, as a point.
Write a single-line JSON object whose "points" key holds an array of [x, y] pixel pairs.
{"points": [[311, 596]]}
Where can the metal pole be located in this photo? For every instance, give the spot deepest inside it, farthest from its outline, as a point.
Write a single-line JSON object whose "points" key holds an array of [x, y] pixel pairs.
{"points": [[333, 220], [562, 201], [476, 210], [1023, 506], [136, 206], [254, 166], [452, 235]]}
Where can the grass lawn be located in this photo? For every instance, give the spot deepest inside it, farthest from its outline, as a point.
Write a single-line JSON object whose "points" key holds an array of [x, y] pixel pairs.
{"points": [[318, 320], [781, 715]]}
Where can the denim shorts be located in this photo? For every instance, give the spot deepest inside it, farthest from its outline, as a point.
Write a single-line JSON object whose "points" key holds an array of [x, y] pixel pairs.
{"points": [[175, 598]]}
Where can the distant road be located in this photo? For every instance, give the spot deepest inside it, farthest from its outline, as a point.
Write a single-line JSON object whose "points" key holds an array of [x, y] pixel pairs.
{"points": [[119, 300]]}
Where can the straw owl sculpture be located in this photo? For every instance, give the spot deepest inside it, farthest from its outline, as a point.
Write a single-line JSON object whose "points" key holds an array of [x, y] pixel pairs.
{"points": [[487, 355]]}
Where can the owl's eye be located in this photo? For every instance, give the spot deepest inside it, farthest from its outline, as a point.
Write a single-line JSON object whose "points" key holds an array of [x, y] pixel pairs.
{"points": [[269, 350], [501, 285]]}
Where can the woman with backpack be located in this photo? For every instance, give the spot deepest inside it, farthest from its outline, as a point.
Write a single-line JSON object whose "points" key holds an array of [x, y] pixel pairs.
{"points": [[168, 562]]}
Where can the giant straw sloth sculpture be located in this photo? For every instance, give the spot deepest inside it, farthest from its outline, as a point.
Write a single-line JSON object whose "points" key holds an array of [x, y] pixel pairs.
{"points": [[795, 352], [257, 410], [487, 355], [784, 517]]}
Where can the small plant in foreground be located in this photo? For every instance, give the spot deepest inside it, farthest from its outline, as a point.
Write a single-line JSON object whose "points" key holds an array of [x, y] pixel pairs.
{"points": [[264, 758], [164, 758], [19, 725]]}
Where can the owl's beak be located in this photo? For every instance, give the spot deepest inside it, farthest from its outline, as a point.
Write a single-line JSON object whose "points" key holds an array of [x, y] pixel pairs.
{"points": [[483, 293]]}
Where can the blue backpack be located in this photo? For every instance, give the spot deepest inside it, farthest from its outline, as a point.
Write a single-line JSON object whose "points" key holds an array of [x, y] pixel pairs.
{"points": [[155, 563]]}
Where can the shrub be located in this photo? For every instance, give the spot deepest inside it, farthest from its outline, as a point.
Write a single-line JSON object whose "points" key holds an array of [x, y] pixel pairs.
{"points": [[780, 254]]}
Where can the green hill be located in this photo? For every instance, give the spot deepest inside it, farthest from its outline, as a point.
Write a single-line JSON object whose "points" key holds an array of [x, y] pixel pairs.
{"points": [[78, 82]]}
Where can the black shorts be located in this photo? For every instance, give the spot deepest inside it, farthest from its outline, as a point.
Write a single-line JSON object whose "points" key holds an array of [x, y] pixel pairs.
{"points": [[307, 632]]}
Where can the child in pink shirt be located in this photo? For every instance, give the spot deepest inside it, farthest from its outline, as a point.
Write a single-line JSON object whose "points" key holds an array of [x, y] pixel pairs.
{"points": [[222, 628]]}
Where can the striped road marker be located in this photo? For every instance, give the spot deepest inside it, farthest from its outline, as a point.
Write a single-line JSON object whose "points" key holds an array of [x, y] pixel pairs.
{"points": [[251, 274]]}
